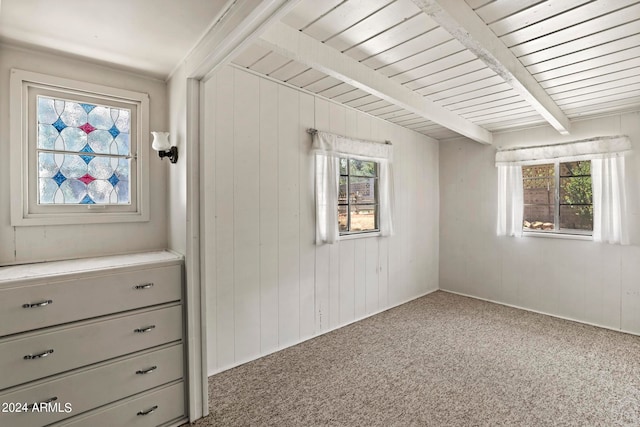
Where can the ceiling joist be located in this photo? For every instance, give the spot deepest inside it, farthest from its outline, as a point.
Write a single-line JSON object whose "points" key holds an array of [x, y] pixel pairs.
{"points": [[235, 29], [302, 48], [464, 24]]}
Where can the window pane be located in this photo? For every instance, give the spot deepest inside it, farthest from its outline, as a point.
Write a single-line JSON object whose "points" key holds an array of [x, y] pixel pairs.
{"points": [[362, 168], [539, 197], [342, 218], [362, 190], [538, 217], [80, 126], [363, 217], [343, 166], [576, 217], [342, 190], [538, 171], [575, 168], [576, 190], [83, 179]]}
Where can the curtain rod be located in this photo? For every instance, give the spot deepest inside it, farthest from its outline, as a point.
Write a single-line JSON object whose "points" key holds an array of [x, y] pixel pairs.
{"points": [[597, 138], [312, 131]]}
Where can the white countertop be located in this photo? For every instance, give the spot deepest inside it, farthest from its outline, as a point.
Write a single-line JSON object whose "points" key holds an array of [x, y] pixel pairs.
{"points": [[56, 268]]}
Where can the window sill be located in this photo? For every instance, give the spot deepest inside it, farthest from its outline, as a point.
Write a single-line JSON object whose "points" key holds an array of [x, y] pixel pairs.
{"points": [[359, 235], [551, 235]]}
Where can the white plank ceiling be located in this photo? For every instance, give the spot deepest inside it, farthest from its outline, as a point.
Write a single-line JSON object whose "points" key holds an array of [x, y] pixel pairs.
{"points": [[584, 54]]}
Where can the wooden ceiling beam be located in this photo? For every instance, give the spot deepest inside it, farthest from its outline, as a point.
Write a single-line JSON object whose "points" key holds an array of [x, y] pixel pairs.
{"points": [[466, 26], [235, 28], [300, 47]]}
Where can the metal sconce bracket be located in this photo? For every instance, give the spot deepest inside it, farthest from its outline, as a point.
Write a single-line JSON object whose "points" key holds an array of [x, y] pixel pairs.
{"points": [[172, 154]]}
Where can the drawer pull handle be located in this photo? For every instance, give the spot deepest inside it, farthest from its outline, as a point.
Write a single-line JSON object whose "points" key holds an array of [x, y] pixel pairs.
{"points": [[38, 304], [44, 402], [38, 356], [147, 371], [143, 286], [145, 329], [148, 411]]}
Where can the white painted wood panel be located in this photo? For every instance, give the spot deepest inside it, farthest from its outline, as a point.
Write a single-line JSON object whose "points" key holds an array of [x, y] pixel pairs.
{"points": [[307, 218], [389, 16], [298, 289], [268, 216], [246, 225], [408, 29], [433, 37], [288, 216], [224, 218], [342, 17]]}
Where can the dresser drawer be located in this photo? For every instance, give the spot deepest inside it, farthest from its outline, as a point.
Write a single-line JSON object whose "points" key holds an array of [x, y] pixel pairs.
{"points": [[38, 355], [31, 307], [160, 406], [88, 389]]}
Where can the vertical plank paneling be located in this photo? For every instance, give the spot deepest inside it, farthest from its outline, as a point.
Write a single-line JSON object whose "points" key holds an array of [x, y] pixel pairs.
{"points": [[322, 251], [224, 217], [288, 216], [273, 286], [337, 124], [398, 261], [307, 219], [371, 275], [207, 224], [411, 218], [268, 213], [359, 278], [383, 273], [347, 305], [246, 229]]}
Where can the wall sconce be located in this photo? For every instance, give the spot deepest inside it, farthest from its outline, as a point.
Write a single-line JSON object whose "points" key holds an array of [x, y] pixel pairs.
{"points": [[162, 145]]}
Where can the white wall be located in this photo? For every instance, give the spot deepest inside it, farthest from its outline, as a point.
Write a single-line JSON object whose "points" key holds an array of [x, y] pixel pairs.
{"points": [[268, 285], [39, 243], [177, 172], [582, 280]]}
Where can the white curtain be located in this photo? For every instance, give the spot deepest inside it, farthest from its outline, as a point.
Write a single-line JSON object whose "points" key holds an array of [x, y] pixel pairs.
{"points": [[608, 178], [510, 200], [328, 149], [327, 169], [609, 200]]}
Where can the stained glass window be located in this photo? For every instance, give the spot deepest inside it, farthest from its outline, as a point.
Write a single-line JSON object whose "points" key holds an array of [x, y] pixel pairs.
{"points": [[83, 153]]}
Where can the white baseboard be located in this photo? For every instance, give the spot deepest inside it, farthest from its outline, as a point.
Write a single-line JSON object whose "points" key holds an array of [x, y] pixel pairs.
{"points": [[242, 362], [571, 319]]}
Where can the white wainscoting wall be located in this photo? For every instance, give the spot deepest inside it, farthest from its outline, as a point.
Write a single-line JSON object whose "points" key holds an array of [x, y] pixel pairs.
{"points": [[268, 285], [590, 282]]}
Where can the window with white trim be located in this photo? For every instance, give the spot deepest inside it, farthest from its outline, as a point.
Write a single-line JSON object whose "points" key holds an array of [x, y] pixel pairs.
{"points": [[574, 188], [558, 197], [80, 149], [358, 196]]}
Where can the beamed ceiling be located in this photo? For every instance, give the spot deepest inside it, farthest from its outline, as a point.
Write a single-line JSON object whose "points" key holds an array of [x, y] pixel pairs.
{"points": [[444, 68], [447, 68]]}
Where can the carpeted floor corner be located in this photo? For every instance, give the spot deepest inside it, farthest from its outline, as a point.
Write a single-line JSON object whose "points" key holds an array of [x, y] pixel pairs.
{"points": [[440, 360]]}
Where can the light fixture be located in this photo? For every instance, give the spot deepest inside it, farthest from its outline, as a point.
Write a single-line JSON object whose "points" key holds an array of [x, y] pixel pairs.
{"points": [[162, 145]]}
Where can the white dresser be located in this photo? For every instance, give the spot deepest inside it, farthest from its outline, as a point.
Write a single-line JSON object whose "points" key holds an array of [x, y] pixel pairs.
{"points": [[93, 342]]}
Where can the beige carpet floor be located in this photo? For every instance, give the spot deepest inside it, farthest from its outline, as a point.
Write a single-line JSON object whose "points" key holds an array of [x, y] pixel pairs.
{"points": [[441, 360]]}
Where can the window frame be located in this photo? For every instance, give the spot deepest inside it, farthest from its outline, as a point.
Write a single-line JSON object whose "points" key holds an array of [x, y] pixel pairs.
{"points": [[557, 231], [351, 234], [25, 87]]}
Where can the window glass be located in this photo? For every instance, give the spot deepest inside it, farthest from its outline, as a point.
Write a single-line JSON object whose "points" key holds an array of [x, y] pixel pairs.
{"points": [[576, 196], [358, 196], [558, 197], [539, 197], [83, 153]]}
